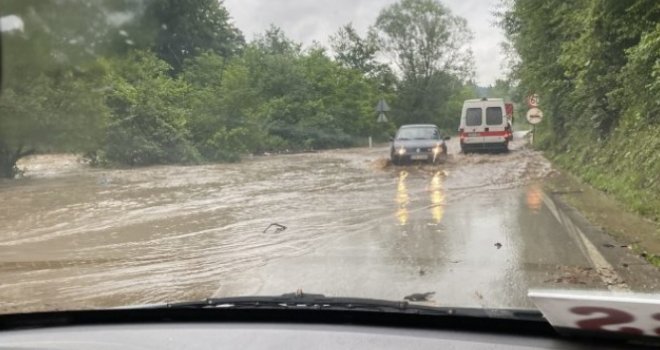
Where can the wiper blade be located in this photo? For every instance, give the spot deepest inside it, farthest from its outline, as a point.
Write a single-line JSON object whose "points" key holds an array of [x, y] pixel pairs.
{"points": [[300, 301], [310, 301]]}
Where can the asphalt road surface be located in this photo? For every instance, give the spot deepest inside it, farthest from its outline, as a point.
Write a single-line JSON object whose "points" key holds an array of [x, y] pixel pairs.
{"points": [[476, 231]]}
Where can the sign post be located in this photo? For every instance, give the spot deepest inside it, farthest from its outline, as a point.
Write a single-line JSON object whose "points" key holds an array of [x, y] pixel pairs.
{"points": [[534, 115], [381, 109]]}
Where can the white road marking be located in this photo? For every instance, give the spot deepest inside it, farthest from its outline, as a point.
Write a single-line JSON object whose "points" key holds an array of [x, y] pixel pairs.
{"points": [[605, 270]]}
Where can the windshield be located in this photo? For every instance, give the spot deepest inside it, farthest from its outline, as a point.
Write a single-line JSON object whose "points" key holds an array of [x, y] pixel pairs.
{"points": [[418, 134], [159, 151]]}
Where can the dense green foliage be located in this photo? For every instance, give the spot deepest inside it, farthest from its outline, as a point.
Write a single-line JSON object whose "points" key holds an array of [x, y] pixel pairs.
{"points": [[430, 47], [173, 81], [596, 66]]}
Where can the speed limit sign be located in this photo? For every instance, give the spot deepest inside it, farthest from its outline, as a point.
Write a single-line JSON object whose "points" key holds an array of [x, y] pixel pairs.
{"points": [[533, 101]]}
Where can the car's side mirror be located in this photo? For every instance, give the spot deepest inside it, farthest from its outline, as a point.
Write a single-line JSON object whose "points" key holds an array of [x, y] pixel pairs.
{"points": [[446, 138]]}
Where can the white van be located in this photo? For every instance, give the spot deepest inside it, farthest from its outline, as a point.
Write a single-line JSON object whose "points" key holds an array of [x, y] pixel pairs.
{"points": [[484, 125]]}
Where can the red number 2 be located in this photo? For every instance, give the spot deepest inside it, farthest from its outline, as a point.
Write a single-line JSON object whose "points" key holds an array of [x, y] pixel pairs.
{"points": [[610, 317], [657, 318]]}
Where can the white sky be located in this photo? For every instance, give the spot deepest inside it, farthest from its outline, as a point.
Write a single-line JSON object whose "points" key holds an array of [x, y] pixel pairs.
{"points": [[307, 21], [10, 23]]}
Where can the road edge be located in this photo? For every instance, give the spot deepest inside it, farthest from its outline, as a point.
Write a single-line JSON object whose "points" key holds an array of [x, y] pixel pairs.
{"points": [[618, 266]]}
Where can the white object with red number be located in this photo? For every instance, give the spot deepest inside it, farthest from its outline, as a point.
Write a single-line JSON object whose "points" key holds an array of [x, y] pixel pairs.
{"points": [[630, 313], [533, 101]]}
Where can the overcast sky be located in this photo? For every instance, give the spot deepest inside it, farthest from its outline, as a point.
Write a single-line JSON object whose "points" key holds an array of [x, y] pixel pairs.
{"points": [[307, 21]]}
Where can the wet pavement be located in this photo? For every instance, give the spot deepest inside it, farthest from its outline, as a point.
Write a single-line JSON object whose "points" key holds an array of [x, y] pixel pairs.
{"points": [[477, 230]]}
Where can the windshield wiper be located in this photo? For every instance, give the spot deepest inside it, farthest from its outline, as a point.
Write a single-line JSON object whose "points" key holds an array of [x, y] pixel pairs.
{"points": [[300, 301], [309, 301]]}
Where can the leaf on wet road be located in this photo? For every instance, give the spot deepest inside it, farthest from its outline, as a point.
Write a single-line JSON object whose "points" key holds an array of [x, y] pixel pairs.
{"points": [[277, 228], [419, 296]]}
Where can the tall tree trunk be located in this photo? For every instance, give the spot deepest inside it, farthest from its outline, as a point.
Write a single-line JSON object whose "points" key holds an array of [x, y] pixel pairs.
{"points": [[8, 159], [7, 164]]}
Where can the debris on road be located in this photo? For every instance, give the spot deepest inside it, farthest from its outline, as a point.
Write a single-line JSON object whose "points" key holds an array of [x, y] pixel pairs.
{"points": [[278, 228], [568, 191], [419, 296], [498, 245], [587, 276], [609, 245]]}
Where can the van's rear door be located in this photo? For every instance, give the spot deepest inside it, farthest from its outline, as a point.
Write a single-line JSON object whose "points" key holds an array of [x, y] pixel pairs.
{"points": [[474, 125], [495, 125]]}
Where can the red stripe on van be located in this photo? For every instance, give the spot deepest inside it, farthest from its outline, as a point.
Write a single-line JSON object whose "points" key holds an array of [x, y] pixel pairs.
{"points": [[494, 133]]}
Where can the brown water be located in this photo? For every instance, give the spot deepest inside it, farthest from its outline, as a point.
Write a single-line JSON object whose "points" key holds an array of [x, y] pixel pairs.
{"points": [[77, 237]]}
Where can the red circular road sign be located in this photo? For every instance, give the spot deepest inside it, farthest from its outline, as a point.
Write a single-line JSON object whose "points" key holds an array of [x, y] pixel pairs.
{"points": [[533, 101]]}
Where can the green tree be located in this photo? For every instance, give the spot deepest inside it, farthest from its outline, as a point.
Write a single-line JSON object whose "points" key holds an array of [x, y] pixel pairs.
{"points": [[355, 52], [50, 100], [430, 47], [184, 29], [424, 38], [148, 123], [49, 114], [598, 88], [221, 101]]}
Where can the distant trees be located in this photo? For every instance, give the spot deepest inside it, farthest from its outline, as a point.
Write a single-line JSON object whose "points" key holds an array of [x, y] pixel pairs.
{"points": [[184, 29], [596, 65], [431, 50], [174, 81], [594, 62], [50, 90]]}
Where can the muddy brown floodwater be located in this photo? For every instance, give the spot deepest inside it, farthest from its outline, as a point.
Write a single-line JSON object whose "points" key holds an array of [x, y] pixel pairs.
{"points": [[477, 230]]}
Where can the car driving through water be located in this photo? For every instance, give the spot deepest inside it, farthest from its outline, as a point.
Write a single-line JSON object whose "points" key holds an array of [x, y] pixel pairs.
{"points": [[418, 142]]}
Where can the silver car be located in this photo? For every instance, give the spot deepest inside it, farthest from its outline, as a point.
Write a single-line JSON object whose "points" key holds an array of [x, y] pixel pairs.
{"points": [[418, 142]]}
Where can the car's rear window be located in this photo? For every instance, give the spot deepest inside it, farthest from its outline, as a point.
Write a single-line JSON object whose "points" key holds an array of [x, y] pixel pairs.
{"points": [[473, 117], [494, 116]]}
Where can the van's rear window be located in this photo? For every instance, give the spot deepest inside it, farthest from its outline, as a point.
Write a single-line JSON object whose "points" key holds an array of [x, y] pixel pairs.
{"points": [[493, 116], [473, 117]]}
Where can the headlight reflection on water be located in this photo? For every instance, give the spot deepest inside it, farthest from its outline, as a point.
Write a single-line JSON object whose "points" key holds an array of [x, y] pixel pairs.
{"points": [[402, 198], [437, 198], [534, 197]]}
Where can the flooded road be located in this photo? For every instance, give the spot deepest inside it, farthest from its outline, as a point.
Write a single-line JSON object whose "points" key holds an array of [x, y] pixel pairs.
{"points": [[477, 230]]}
